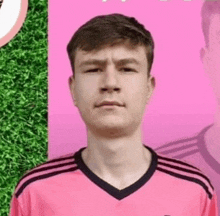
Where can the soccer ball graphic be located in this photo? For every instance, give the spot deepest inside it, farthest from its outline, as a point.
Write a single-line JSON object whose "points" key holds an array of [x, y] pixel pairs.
{"points": [[12, 17]]}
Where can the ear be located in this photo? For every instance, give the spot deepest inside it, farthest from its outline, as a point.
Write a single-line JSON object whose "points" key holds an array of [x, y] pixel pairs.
{"points": [[151, 87], [72, 88], [202, 54], [205, 58]]}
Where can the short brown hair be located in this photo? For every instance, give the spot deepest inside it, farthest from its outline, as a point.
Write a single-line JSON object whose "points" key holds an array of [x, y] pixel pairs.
{"points": [[110, 30], [209, 8]]}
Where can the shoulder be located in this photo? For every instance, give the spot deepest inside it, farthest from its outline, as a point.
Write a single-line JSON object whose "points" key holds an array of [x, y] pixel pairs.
{"points": [[45, 171], [180, 148], [184, 146], [185, 173]]}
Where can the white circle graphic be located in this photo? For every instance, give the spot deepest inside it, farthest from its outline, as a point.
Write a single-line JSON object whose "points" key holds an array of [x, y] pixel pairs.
{"points": [[8, 15], [12, 16]]}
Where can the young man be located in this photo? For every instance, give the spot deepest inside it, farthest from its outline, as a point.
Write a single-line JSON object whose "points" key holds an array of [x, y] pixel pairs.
{"points": [[111, 58], [203, 150]]}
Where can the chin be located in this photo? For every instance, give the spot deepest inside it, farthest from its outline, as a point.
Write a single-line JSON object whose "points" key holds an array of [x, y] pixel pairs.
{"points": [[112, 132], [111, 126]]}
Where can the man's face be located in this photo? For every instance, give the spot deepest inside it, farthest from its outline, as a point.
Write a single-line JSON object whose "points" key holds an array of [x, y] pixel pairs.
{"points": [[211, 56], [117, 73]]}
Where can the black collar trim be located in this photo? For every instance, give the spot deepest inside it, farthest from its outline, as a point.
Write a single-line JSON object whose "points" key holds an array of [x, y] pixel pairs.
{"points": [[118, 194], [214, 164]]}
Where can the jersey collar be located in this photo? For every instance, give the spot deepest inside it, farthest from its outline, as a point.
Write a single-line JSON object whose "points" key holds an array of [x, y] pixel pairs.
{"points": [[118, 194]]}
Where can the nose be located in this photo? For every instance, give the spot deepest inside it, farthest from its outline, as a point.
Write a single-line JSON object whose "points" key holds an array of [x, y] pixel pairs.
{"points": [[110, 80]]}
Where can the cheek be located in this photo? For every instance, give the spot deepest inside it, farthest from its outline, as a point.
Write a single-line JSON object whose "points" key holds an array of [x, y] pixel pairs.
{"points": [[85, 91], [212, 67], [137, 93], [216, 86], [212, 62]]}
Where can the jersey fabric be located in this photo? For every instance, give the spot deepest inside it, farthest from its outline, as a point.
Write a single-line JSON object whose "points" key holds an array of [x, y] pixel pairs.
{"points": [[65, 186], [194, 151]]}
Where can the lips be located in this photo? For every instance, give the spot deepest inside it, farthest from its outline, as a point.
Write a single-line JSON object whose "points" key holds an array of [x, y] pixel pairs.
{"points": [[110, 103]]}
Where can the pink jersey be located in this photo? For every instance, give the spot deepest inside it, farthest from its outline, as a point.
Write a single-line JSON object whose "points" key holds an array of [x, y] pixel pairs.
{"points": [[194, 150], [65, 186]]}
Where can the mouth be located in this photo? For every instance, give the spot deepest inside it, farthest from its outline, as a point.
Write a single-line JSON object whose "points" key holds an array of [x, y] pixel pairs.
{"points": [[109, 106]]}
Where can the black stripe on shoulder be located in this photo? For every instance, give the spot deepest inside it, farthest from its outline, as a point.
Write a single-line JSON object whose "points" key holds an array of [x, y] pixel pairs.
{"points": [[177, 161], [43, 177], [188, 171], [187, 178], [177, 142], [62, 158], [183, 155], [35, 170], [179, 149]]}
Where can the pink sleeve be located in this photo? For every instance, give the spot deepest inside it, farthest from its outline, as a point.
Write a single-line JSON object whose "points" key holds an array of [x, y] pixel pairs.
{"points": [[211, 207], [15, 209]]}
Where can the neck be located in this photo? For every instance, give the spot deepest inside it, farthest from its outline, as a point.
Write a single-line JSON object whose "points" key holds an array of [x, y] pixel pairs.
{"points": [[212, 138], [217, 116], [118, 160]]}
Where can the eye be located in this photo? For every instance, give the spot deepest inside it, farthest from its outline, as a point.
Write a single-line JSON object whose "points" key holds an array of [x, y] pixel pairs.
{"points": [[127, 69], [93, 70]]}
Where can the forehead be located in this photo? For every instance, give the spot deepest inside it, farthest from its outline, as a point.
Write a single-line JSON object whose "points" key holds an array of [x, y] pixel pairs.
{"points": [[114, 53], [214, 29]]}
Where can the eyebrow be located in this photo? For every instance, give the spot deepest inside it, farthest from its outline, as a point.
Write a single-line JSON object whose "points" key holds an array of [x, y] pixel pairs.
{"points": [[128, 61], [104, 62], [93, 62]]}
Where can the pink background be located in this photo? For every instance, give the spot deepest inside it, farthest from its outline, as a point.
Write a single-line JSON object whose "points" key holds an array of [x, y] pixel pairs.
{"points": [[183, 102]]}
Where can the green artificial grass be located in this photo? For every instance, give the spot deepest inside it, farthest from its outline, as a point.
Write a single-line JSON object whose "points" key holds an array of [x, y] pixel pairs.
{"points": [[23, 101]]}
